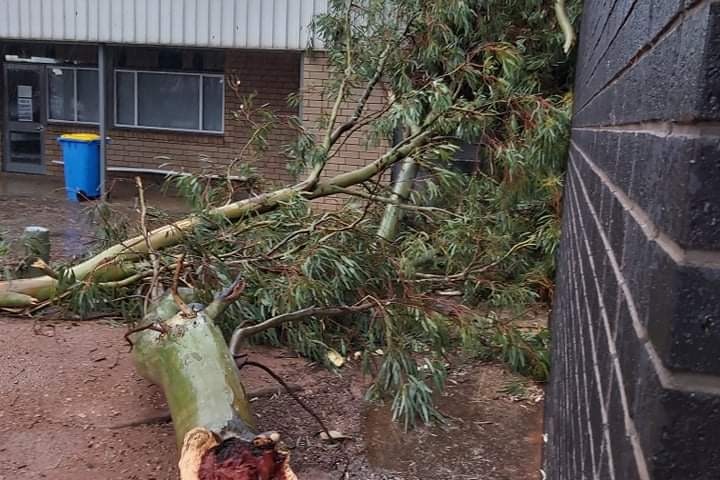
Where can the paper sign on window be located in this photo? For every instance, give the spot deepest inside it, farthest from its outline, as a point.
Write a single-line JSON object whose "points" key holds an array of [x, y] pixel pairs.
{"points": [[24, 103]]}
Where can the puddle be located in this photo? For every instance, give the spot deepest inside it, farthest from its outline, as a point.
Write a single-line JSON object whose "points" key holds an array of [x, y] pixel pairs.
{"points": [[488, 436], [40, 200]]}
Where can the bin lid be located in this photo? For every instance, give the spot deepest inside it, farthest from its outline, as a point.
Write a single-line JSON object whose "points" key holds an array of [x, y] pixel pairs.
{"points": [[80, 137]]}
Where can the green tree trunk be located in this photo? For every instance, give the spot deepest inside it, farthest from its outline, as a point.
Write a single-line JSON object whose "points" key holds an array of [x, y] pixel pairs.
{"points": [[401, 191], [186, 356]]}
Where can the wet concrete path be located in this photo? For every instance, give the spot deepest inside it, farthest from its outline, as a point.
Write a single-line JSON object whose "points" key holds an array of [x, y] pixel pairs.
{"points": [[40, 200]]}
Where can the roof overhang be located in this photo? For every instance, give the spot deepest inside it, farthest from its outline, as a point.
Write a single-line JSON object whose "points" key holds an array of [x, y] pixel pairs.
{"points": [[252, 24]]}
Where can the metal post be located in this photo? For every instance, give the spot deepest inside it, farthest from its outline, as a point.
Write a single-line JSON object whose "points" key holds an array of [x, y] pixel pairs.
{"points": [[102, 117]]}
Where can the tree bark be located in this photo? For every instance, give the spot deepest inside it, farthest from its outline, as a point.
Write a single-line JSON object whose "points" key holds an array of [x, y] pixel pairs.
{"points": [[401, 191], [188, 358]]}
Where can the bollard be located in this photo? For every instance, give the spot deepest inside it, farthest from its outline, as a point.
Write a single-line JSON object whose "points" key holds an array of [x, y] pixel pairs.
{"points": [[36, 242]]}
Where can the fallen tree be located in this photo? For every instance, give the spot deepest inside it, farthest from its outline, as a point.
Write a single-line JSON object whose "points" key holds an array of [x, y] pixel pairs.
{"points": [[180, 349], [332, 284]]}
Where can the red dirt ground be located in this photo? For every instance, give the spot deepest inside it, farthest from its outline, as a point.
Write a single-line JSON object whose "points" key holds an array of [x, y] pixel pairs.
{"points": [[66, 389]]}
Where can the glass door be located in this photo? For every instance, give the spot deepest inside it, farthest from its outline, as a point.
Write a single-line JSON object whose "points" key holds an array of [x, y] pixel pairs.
{"points": [[24, 118]]}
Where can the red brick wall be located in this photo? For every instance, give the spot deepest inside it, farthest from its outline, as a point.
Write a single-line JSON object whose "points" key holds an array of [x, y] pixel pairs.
{"points": [[356, 152], [273, 75]]}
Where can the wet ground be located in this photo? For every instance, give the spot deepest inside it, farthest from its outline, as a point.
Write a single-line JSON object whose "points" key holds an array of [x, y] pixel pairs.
{"points": [[72, 406], [40, 200]]}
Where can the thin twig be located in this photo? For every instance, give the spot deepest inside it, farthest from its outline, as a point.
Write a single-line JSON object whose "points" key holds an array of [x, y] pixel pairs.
{"points": [[277, 378], [471, 268], [186, 311], [294, 234], [154, 259], [150, 326], [390, 201], [565, 25]]}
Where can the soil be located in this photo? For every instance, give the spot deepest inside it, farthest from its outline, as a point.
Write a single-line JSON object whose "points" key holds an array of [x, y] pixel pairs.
{"points": [[73, 407], [69, 391]]}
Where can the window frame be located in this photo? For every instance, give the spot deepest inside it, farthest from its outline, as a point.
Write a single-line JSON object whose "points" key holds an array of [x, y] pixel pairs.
{"points": [[201, 84], [75, 94]]}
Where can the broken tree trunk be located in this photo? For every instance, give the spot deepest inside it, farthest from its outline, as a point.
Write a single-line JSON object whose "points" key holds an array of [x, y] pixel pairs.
{"points": [[114, 263], [401, 191], [183, 352]]}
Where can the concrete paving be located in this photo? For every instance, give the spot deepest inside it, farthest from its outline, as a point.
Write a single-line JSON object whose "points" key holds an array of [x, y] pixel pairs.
{"points": [[40, 200]]}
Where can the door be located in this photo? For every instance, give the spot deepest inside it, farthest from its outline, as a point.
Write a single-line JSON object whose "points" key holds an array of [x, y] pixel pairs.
{"points": [[24, 118]]}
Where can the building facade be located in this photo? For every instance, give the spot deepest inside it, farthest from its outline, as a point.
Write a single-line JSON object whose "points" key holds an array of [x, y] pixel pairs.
{"points": [[164, 79]]}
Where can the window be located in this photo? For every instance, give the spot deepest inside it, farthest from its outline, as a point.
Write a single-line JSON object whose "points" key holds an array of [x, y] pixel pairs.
{"points": [[73, 94], [169, 101]]}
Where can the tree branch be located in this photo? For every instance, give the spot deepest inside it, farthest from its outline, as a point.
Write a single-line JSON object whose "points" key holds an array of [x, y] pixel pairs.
{"points": [[565, 25], [332, 136], [360, 107], [395, 202], [225, 298], [241, 333]]}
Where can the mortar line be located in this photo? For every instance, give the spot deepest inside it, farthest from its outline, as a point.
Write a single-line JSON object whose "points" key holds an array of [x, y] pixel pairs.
{"points": [[625, 19], [576, 287], [630, 428], [681, 256], [586, 80], [662, 129], [580, 348], [680, 381], [595, 365], [666, 31]]}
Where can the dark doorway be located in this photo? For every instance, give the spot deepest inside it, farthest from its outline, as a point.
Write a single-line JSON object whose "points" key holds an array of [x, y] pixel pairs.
{"points": [[24, 118]]}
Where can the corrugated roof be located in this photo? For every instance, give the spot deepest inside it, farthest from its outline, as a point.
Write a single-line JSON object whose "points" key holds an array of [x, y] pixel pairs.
{"points": [[264, 24]]}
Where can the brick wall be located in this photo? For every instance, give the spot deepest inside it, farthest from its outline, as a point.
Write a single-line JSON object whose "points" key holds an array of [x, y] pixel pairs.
{"points": [[635, 385], [273, 75], [358, 150]]}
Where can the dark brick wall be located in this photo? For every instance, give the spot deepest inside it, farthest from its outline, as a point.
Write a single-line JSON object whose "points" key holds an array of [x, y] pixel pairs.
{"points": [[635, 387]]}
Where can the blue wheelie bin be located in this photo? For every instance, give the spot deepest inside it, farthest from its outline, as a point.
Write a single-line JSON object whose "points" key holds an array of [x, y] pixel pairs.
{"points": [[81, 156]]}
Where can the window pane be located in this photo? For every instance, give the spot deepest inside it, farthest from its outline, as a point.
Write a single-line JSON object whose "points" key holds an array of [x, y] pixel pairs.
{"points": [[213, 103], [87, 92], [62, 93], [125, 98], [169, 101]]}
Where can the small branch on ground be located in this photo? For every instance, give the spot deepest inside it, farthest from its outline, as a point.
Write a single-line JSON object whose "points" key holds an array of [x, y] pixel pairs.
{"points": [[154, 257], [150, 326], [244, 362], [187, 312]]}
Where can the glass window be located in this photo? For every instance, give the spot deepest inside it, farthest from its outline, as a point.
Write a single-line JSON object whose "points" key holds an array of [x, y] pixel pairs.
{"points": [[62, 94], [87, 96], [168, 101], [73, 94], [213, 103], [172, 101], [125, 98]]}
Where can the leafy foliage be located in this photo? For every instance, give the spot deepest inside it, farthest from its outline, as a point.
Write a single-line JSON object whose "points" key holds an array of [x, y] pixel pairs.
{"points": [[486, 75]]}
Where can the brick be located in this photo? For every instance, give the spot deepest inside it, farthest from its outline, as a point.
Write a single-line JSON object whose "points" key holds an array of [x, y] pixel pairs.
{"points": [[639, 202], [673, 80]]}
